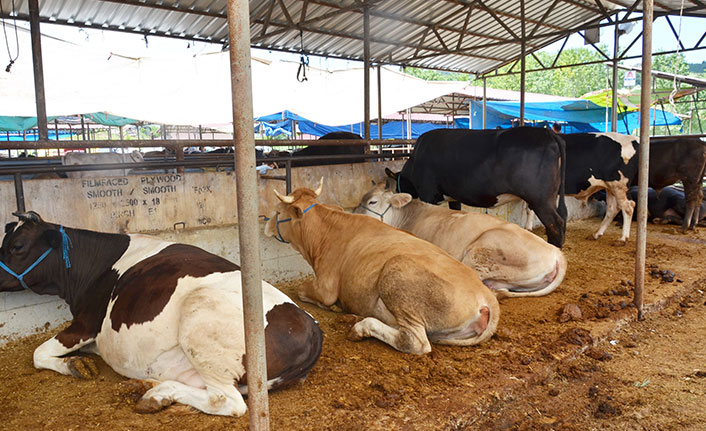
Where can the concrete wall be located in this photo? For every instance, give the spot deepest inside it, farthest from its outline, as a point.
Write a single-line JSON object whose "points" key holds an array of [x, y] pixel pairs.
{"points": [[194, 208]]}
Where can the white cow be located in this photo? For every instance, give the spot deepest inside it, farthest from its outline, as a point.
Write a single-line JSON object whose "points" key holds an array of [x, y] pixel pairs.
{"points": [[77, 158], [510, 260]]}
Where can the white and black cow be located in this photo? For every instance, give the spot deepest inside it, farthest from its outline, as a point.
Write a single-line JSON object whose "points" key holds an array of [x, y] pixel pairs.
{"points": [[167, 314], [603, 161], [486, 168]]}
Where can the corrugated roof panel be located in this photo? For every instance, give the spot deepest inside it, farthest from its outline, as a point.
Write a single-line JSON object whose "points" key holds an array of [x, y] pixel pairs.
{"points": [[488, 36]]}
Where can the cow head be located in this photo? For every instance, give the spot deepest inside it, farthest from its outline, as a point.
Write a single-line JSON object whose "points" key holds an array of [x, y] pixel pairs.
{"points": [[284, 222], [28, 244], [380, 200]]}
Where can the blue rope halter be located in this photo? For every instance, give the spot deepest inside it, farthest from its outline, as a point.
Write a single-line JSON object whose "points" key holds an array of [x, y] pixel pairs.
{"points": [[65, 246], [381, 215], [279, 234]]}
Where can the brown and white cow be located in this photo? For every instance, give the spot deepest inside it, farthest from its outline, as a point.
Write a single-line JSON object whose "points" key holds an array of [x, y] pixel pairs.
{"points": [[510, 260], [165, 313], [410, 292]]}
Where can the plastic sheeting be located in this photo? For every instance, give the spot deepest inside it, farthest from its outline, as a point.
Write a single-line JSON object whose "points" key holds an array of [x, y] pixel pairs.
{"points": [[582, 115], [195, 90]]}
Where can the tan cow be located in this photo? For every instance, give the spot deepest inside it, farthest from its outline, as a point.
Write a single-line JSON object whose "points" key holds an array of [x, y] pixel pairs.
{"points": [[510, 260], [410, 292]]}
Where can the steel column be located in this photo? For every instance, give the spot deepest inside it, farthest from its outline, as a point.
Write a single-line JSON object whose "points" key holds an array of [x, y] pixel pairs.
{"points": [[366, 70], [380, 103], [643, 176], [19, 193], [614, 102], [248, 225], [485, 99], [523, 71], [38, 70]]}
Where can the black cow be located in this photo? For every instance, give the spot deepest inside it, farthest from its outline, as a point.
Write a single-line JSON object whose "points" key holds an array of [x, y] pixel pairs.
{"points": [[602, 161], [168, 314], [485, 168], [330, 150], [667, 206], [682, 159]]}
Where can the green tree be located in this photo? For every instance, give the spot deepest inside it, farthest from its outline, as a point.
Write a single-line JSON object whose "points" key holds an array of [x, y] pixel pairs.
{"points": [[436, 75]]}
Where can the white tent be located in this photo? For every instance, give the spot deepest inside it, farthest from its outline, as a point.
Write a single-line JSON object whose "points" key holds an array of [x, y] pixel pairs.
{"points": [[188, 89]]}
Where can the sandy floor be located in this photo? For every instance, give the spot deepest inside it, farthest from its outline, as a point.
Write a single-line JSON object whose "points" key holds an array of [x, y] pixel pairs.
{"points": [[602, 370]]}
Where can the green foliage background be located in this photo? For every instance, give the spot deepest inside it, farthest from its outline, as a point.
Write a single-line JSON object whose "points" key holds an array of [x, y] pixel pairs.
{"points": [[579, 80]]}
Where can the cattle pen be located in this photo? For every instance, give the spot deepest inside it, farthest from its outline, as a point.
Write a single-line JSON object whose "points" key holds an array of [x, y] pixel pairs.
{"points": [[199, 208]]}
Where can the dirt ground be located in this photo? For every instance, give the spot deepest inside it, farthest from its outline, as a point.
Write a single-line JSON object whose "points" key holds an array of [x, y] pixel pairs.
{"points": [[574, 360]]}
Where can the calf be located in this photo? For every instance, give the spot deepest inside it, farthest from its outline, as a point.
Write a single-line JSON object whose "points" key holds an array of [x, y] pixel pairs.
{"points": [[165, 313], [409, 291], [510, 260], [485, 168], [667, 206], [603, 161]]}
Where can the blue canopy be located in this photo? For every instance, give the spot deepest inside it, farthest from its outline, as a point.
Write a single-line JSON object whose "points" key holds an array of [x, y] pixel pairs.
{"points": [[581, 115]]}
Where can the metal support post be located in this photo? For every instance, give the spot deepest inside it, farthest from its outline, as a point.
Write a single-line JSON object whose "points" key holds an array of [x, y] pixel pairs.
{"points": [[614, 101], [39, 96], [380, 105], [247, 203], [643, 172], [19, 193], [485, 99], [523, 71], [366, 70]]}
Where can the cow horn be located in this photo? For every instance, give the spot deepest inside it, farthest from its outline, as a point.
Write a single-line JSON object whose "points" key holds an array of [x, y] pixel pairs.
{"points": [[318, 190], [285, 199], [28, 216]]}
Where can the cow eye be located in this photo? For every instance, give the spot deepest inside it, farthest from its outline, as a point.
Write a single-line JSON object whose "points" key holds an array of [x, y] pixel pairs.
{"points": [[372, 202], [17, 247]]}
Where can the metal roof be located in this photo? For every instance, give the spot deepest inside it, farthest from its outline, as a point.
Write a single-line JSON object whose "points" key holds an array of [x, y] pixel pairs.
{"points": [[473, 36]]}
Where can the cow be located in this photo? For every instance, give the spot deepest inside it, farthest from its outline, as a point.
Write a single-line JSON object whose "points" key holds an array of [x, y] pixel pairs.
{"points": [[510, 260], [682, 159], [167, 314], [330, 150], [667, 206], [486, 168], [408, 291], [603, 161], [78, 158]]}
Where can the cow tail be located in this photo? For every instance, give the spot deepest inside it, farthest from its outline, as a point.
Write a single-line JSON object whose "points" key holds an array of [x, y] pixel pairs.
{"points": [[562, 158]]}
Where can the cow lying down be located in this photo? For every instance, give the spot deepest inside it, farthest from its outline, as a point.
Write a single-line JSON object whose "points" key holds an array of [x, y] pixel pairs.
{"points": [[410, 292], [167, 314], [510, 260]]}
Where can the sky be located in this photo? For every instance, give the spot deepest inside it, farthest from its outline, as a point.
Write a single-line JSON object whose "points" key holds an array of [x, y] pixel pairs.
{"points": [[136, 46]]}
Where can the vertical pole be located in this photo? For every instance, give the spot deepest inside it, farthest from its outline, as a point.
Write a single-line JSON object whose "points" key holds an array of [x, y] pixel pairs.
{"points": [[485, 98], [19, 193], [366, 70], [643, 172], [288, 176], [409, 123], [38, 70], [83, 128], [380, 103], [247, 202], [614, 101], [522, 65]]}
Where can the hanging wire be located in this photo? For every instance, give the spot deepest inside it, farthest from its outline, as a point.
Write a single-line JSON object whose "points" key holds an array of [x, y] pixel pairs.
{"points": [[303, 59], [7, 40], [676, 61]]}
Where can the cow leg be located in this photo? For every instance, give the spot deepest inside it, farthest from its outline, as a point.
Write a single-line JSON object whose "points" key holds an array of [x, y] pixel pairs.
{"points": [[693, 196], [407, 339], [49, 355], [552, 221], [211, 337], [224, 401], [318, 293], [611, 211], [529, 216]]}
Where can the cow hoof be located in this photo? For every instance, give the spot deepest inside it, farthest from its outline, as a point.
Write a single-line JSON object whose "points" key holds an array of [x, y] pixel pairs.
{"points": [[618, 243], [136, 388], [592, 238], [152, 405], [82, 367]]}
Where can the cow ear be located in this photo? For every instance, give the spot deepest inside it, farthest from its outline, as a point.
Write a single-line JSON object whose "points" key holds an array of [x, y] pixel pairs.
{"points": [[271, 224], [30, 216], [398, 200], [390, 184], [10, 226], [298, 212], [391, 174], [52, 238]]}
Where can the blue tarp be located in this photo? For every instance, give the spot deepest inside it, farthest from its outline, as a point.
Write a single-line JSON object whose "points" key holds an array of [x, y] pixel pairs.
{"points": [[581, 115], [390, 130]]}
